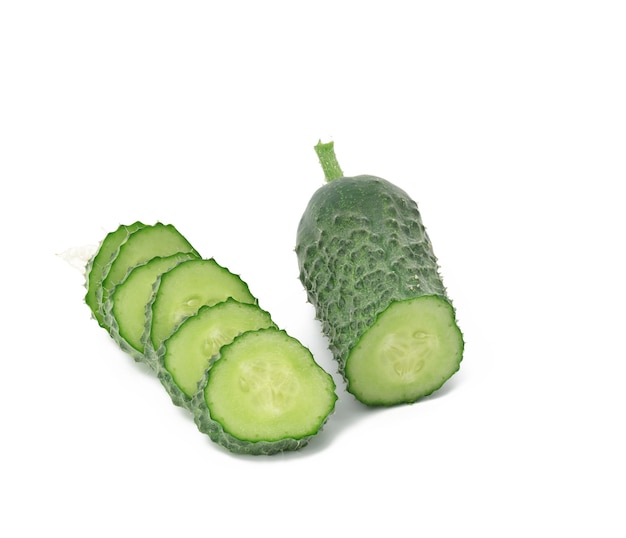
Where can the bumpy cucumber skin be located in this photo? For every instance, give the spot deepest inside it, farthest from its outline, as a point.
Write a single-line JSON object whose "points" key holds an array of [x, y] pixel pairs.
{"points": [[178, 397], [361, 245], [216, 432]]}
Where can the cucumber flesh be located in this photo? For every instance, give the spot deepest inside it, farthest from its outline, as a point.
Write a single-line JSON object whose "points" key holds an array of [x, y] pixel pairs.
{"points": [[188, 352], [265, 394], [409, 352], [99, 264], [181, 291], [126, 309], [140, 246]]}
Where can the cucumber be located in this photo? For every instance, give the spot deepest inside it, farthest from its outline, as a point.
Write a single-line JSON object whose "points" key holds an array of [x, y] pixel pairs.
{"points": [[177, 312], [126, 308], [140, 246], [368, 267], [99, 264], [265, 394], [181, 291], [188, 352]]}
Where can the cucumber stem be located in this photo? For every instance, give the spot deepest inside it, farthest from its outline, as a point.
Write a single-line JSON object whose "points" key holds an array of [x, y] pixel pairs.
{"points": [[328, 160]]}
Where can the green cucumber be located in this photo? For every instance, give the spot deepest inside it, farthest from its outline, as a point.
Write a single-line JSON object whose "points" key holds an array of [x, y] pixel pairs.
{"points": [[140, 246], [181, 291], [369, 269], [265, 394], [126, 308], [99, 264], [187, 353], [178, 313]]}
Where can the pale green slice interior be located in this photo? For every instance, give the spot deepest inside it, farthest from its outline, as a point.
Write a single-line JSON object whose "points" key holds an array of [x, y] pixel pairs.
{"points": [[143, 245], [189, 350], [129, 298], [187, 287], [266, 386], [409, 352]]}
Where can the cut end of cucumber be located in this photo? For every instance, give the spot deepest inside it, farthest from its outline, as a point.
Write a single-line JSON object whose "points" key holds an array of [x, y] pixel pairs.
{"points": [[267, 388], [411, 350]]}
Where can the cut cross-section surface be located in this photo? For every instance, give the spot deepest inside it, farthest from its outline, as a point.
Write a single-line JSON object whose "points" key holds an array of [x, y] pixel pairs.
{"points": [[183, 290], [188, 353], [140, 246], [126, 308], [412, 348], [265, 394]]}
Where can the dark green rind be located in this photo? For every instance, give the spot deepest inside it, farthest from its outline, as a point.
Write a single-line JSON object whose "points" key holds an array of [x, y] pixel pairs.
{"points": [[216, 432], [98, 266], [178, 396], [117, 332], [361, 245]]}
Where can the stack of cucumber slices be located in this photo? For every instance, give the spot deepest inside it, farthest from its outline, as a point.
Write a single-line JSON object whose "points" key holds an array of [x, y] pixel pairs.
{"points": [[251, 387]]}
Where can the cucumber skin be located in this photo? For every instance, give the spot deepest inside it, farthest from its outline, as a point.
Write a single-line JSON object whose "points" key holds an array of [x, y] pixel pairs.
{"points": [[361, 245]]}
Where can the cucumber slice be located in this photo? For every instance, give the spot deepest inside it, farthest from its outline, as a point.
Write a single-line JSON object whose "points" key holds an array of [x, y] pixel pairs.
{"points": [[181, 291], [409, 352], [265, 394], [140, 246], [188, 352], [126, 307], [99, 264]]}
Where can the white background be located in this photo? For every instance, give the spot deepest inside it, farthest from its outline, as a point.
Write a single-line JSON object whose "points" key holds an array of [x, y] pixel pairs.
{"points": [[505, 121]]}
